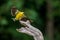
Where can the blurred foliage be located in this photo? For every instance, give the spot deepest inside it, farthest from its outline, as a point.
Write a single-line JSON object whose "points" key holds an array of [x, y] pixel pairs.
{"points": [[35, 10]]}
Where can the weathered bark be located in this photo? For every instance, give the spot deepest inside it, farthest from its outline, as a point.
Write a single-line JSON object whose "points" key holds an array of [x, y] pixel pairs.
{"points": [[30, 30]]}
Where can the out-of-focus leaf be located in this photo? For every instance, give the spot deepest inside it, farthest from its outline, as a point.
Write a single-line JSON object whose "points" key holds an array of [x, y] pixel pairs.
{"points": [[18, 3], [55, 3], [30, 13], [38, 2], [3, 21], [33, 15]]}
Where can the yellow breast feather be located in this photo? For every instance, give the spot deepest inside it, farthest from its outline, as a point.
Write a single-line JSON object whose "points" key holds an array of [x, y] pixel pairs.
{"points": [[19, 15]]}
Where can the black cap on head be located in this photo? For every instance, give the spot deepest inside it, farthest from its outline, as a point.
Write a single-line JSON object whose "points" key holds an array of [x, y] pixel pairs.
{"points": [[13, 10]]}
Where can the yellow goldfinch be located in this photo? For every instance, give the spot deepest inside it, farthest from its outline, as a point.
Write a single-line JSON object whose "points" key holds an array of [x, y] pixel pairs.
{"points": [[19, 15]]}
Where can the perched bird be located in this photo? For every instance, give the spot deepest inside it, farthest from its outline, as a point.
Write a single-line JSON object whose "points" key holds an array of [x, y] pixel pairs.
{"points": [[28, 28], [18, 14]]}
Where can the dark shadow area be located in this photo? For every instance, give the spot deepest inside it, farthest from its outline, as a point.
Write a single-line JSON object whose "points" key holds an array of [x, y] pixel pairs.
{"points": [[3, 2]]}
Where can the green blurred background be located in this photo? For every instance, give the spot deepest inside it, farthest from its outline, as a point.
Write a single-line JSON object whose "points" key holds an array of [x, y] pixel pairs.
{"points": [[44, 13]]}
